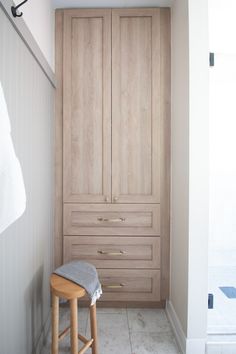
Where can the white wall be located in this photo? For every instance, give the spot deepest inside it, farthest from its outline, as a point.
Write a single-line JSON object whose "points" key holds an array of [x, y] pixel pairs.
{"points": [[180, 160], [39, 17], [222, 134], [111, 3], [189, 199], [26, 246], [198, 175]]}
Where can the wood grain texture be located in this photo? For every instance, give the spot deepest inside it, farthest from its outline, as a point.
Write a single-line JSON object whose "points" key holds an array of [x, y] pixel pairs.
{"points": [[87, 106], [114, 252], [136, 105], [130, 284], [93, 326], [138, 219], [65, 288], [74, 326], [55, 323], [58, 216], [165, 151], [126, 304], [126, 194]]}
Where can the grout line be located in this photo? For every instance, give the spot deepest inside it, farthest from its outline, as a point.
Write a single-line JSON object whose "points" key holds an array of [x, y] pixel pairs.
{"points": [[129, 332]]}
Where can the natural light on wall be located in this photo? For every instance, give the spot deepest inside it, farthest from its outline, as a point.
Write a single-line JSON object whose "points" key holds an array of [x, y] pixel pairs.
{"points": [[222, 132], [222, 246]]}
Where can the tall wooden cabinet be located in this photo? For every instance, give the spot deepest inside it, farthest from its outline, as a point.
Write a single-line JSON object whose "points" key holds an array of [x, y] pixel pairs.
{"points": [[112, 148]]}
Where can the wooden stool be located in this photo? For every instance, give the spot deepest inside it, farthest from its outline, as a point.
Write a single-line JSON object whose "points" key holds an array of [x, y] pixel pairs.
{"points": [[61, 287]]}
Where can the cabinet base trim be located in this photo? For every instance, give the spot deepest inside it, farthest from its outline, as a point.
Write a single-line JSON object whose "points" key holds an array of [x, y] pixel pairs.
{"points": [[127, 304]]}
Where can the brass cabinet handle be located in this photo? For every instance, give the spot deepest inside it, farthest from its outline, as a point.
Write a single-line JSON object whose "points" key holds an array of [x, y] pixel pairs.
{"points": [[113, 286], [111, 220], [115, 199], [106, 199], [120, 253]]}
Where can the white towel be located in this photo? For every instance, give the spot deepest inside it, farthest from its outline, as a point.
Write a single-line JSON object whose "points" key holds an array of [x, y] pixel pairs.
{"points": [[12, 189]]}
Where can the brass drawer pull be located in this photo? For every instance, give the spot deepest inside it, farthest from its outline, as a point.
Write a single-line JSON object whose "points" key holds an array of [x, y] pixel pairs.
{"points": [[113, 286], [111, 220], [120, 253]]}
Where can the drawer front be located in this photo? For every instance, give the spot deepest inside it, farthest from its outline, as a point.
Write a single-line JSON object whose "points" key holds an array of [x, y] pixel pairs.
{"points": [[123, 219], [114, 252], [130, 284]]}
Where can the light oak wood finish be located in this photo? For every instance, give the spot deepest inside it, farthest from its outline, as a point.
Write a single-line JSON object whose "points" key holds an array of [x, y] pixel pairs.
{"points": [[130, 285], [136, 105], [87, 106], [99, 219], [165, 150], [126, 196], [114, 252], [93, 321], [55, 323], [128, 304], [66, 289], [73, 326]]}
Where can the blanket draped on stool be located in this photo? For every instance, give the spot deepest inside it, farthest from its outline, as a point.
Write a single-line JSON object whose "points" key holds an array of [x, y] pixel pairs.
{"points": [[83, 274]]}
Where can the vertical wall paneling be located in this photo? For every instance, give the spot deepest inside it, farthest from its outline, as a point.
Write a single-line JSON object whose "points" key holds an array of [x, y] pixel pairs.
{"points": [[58, 233], [26, 246]]}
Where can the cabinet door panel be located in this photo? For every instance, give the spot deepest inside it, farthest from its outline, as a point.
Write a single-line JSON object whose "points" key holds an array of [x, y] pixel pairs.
{"points": [[136, 105], [87, 106]]}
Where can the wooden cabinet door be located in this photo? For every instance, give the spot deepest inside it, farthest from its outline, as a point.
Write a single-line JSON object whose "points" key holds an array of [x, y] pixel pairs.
{"points": [[87, 106], [136, 100]]}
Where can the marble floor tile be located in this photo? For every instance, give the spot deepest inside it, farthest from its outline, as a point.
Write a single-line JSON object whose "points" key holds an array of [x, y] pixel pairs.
{"points": [[148, 320], [153, 343], [64, 315], [113, 333], [147, 331]]}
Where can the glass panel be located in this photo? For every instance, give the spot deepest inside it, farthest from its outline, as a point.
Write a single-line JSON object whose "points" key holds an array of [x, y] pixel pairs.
{"points": [[222, 254]]}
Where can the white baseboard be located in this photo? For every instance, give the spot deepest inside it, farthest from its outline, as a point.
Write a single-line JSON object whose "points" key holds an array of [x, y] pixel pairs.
{"points": [[186, 345], [43, 335], [176, 326], [221, 344], [196, 346]]}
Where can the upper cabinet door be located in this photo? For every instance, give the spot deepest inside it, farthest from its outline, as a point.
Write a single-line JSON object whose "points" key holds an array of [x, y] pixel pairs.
{"points": [[136, 101], [87, 106]]}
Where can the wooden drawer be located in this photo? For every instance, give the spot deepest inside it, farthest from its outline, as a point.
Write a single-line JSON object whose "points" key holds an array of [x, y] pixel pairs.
{"points": [[114, 252], [112, 219], [130, 284]]}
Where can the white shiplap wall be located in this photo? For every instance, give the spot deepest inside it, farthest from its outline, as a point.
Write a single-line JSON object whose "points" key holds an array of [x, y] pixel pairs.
{"points": [[26, 246]]}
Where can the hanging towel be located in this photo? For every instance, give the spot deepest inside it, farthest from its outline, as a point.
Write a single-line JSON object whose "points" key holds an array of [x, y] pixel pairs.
{"points": [[83, 274], [12, 189]]}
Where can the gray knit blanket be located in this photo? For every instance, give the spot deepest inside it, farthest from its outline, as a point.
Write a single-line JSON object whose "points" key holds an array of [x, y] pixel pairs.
{"points": [[83, 274]]}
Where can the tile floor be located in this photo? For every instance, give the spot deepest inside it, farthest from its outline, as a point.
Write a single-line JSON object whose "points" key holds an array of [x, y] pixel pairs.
{"points": [[123, 331]]}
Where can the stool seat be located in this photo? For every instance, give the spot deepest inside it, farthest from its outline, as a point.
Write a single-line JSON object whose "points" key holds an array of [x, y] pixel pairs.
{"points": [[65, 288]]}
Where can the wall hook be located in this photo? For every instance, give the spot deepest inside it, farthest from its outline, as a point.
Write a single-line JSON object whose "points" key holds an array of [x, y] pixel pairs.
{"points": [[15, 8]]}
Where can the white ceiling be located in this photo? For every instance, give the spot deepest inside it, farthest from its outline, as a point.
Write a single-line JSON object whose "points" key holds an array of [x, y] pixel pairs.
{"points": [[111, 3]]}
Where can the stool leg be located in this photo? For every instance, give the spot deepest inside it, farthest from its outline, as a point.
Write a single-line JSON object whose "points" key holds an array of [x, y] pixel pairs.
{"points": [[55, 323], [74, 326], [93, 324]]}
